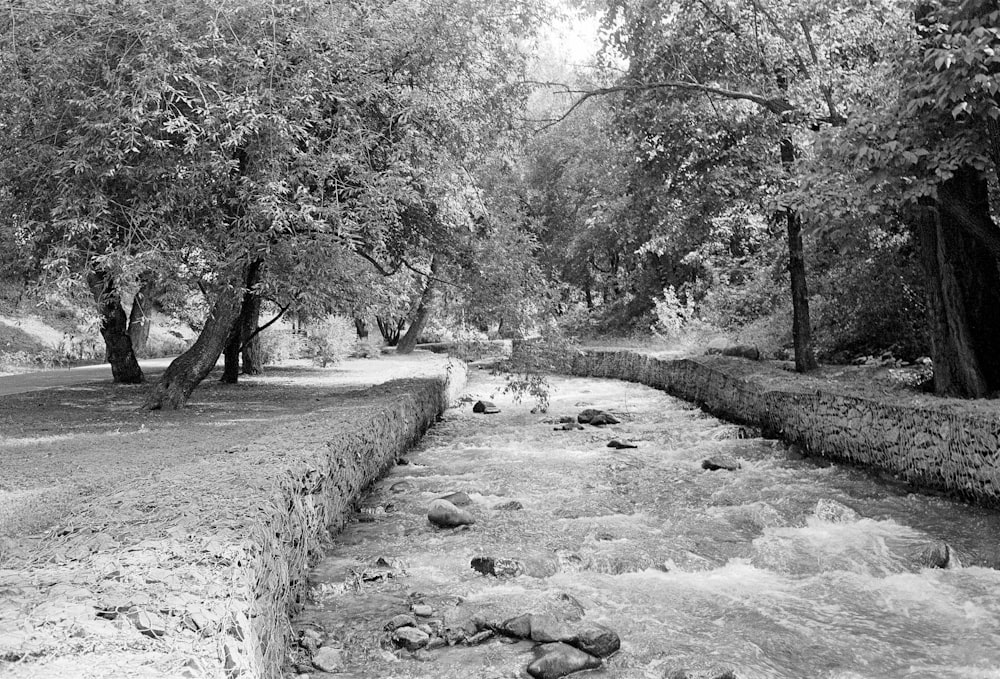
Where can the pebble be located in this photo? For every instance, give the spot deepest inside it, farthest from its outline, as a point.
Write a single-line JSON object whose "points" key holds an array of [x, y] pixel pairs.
{"points": [[725, 462], [422, 610], [558, 659], [446, 515], [616, 443], [511, 506]]}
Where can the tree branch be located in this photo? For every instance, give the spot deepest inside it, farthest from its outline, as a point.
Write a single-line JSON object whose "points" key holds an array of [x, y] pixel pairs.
{"points": [[264, 327], [777, 105]]}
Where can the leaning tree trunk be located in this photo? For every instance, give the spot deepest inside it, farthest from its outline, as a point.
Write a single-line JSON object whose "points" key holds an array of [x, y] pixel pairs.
{"points": [[114, 328], [408, 341], [960, 253], [194, 365], [805, 356]]}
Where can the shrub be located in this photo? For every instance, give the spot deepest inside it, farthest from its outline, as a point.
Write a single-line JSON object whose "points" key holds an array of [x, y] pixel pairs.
{"points": [[331, 340]]}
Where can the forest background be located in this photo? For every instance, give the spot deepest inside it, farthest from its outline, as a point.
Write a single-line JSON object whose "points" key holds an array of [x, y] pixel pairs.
{"points": [[817, 179]]}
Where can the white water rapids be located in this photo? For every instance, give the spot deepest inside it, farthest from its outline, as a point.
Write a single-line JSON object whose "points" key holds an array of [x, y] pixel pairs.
{"points": [[784, 568]]}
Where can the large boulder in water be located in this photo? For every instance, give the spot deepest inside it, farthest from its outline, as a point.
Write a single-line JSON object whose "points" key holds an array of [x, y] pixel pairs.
{"points": [[558, 660], [446, 515]]}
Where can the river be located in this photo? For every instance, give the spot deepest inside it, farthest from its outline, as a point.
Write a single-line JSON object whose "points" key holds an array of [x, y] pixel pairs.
{"points": [[785, 567]]}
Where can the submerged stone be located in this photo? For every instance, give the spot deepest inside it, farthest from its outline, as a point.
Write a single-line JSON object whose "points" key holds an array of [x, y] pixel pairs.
{"points": [[938, 555], [501, 567], [511, 506], [832, 511], [459, 499], [559, 660], [618, 443], [446, 515]]}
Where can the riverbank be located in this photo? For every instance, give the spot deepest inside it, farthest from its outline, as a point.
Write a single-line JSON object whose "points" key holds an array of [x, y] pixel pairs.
{"points": [[175, 544], [931, 443]]}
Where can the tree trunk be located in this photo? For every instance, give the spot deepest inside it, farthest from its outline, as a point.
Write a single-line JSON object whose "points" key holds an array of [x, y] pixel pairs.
{"points": [[253, 352], [361, 326], [957, 240], [139, 321], [242, 332], [390, 329], [409, 340], [805, 356], [194, 365], [114, 328]]}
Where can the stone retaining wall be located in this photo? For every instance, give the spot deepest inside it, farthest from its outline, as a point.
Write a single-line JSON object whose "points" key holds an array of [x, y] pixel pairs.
{"points": [[930, 447], [313, 499]]}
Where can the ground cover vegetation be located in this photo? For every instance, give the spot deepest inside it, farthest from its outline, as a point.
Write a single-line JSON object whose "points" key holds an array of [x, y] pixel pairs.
{"points": [[812, 177]]}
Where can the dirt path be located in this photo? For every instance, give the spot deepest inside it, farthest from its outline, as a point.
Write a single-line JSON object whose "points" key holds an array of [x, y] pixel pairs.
{"points": [[65, 377]]}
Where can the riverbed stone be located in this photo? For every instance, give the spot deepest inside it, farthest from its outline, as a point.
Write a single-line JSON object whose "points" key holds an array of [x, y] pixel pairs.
{"points": [[446, 515], [485, 408], [938, 555], [547, 629], [499, 566], [568, 426], [621, 443], [595, 639], [459, 499], [411, 638], [519, 626], [422, 610], [832, 511], [721, 462], [401, 487], [328, 659], [401, 620], [603, 419], [587, 415], [559, 660], [511, 506]]}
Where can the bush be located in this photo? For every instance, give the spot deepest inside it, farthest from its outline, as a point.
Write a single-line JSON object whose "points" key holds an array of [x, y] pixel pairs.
{"points": [[279, 343], [331, 340]]}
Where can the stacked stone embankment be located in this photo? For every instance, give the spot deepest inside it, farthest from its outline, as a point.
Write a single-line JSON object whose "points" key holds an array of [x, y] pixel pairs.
{"points": [[228, 543], [941, 447]]}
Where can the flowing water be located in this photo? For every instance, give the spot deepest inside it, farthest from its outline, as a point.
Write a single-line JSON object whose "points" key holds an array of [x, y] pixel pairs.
{"points": [[787, 567]]}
